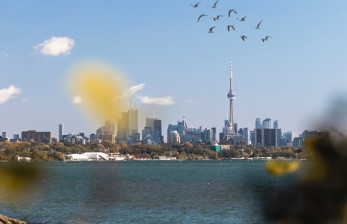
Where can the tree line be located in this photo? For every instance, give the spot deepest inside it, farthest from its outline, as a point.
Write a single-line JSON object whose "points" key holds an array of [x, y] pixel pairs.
{"points": [[184, 151]]}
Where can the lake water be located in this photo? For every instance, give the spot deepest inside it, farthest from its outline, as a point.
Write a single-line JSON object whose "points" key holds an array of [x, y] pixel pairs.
{"points": [[148, 192]]}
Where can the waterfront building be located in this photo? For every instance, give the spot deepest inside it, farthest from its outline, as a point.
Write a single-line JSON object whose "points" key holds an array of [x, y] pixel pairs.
{"points": [[298, 142], [39, 137], [54, 140], [207, 136], [61, 132], [92, 138], [106, 133], [289, 137], [75, 139], [279, 136], [174, 137]]}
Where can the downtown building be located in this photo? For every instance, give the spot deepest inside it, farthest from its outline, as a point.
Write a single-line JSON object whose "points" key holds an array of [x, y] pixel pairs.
{"points": [[152, 132], [266, 136], [186, 134], [106, 132], [127, 131], [39, 137]]}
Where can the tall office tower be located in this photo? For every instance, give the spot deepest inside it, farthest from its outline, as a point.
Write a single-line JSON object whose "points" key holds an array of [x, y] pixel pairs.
{"points": [[61, 132], [276, 124], [214, 134], [289, 136], [3, 134], [252, 138], [128, 127], [157, 127], [267, 123], [258, 122], [231, 96], [92, 138], [235, 128], [133, 120], [246, 135]]}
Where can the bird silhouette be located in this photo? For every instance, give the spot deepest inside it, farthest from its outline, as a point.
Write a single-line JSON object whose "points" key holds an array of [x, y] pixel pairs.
{"points": [[230, 26], [195, 5], [243, 19], [215, 4], [243, 37], [202, 15], [211, 29], [231, 11], [258, 26], [217, 17], [266, 38]]}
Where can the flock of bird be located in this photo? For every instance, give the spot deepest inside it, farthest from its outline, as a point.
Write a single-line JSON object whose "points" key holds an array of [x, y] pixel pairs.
{"points": [[229, 27]]}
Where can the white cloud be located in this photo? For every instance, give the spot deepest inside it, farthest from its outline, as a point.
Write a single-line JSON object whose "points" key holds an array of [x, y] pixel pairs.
{"points": [[134, 89], [77, 100], [56, 46], [164, 101], [8, 93]]}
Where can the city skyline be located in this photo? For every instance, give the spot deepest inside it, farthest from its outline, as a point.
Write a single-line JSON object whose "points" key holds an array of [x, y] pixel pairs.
{"points": [[179, 68]]}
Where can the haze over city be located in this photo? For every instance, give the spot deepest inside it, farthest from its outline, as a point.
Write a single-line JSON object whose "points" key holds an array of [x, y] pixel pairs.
{"points": [[175, 68]]}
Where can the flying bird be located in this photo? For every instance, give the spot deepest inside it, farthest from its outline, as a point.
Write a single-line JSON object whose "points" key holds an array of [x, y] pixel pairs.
{"points": [[231, 11], [217, 17], [195, 5], [215, 4], [243, 37], [258, 26], [266, 38], [230, 26], [211, 29], [243, 19], [202, 15]]}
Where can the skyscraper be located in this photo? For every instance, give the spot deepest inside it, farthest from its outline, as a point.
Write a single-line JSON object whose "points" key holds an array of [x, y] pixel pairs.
{"points": [[276, 124], [231, 96], [61, 132], [153, 131], [267, 123], [289, 136], [128, 127], [258, 122]]}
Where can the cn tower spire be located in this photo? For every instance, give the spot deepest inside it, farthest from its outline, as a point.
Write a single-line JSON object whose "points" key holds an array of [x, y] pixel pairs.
{"points": [[231, 96]]}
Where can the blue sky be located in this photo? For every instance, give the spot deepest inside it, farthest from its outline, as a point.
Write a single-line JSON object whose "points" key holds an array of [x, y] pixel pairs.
{"points": [[292, 78]]}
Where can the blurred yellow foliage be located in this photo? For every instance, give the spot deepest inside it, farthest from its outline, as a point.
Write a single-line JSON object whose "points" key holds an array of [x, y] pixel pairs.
{"points": [[277, 168], [99, 91]]}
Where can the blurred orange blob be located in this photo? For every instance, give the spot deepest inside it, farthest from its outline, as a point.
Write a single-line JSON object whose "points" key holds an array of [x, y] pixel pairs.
{"points": [[98, 90]]}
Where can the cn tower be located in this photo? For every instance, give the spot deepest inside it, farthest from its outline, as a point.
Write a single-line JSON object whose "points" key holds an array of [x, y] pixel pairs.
{"points": [[231, 96]]}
